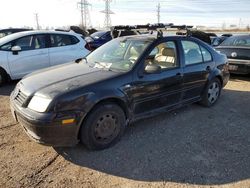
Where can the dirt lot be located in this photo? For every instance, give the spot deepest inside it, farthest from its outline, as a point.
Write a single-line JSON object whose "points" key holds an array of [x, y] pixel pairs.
{"points": [[191, 147]]}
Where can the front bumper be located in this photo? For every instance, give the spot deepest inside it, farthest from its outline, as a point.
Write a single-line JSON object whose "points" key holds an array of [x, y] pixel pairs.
{"points": [[239, 66], [46, 128]]}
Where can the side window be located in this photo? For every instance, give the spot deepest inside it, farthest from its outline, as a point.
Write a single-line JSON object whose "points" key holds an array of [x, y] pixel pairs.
{"points": [[62, 40], [206, 54], [25, 43], [192, 52], [39, 41], [163, 55]]}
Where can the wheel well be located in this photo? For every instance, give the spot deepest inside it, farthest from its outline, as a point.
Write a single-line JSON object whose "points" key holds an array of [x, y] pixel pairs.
{"points": [[6, 74], [116, 101], [119, 102], [221, 81]]}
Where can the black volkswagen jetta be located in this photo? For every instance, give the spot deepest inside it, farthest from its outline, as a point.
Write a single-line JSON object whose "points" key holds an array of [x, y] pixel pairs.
{"points": [[126, 79]]}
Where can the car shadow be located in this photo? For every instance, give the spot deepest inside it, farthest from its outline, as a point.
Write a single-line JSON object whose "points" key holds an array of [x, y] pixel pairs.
{"points": [[238, 78], [196, 145], [7, 88]]}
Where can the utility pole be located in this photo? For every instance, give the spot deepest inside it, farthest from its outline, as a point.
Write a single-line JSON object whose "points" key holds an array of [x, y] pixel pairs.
{"points": [[83, 5], [158, 12], [37, 21], [240, 23], [107, 12]]}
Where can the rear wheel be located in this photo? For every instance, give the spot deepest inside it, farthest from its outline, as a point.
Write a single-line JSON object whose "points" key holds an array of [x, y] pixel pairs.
{"points": [[3, 77], [211, 93], [103, 127]]}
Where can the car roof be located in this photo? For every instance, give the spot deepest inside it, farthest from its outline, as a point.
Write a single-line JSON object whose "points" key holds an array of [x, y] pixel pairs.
{"points": [[15, 29], [14, 36]]}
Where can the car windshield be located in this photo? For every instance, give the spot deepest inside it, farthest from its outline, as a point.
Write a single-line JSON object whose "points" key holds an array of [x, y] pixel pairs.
{"points": [[243, 41], [118, 54]]}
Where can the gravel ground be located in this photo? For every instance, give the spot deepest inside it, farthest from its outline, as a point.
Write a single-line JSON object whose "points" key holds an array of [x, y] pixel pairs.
{"points": [[190, 147]]}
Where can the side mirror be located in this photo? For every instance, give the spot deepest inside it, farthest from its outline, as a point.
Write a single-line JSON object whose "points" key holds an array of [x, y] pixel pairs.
{"points": [[153, 69], [16, 49]]}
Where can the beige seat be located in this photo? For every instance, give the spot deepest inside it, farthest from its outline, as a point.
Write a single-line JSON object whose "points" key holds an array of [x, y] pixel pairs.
{"points": [[166, 58]]}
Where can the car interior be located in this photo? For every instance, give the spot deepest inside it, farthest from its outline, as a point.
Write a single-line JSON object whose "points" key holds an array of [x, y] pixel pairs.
{"points": [[163, 55]]}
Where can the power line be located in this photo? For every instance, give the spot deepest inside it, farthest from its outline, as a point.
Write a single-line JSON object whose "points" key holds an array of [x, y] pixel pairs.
{"points": [[158, 12], [107, 12], [85, 15]]}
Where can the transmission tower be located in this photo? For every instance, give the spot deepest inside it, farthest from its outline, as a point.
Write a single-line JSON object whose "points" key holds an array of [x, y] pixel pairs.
{"points": [[37, 21], [107, 12], [85, 16], [158, 12]]}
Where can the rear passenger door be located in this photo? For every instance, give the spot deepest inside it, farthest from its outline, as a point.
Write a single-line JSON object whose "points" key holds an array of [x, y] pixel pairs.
{"points": [[63, 49], [198, 63]]}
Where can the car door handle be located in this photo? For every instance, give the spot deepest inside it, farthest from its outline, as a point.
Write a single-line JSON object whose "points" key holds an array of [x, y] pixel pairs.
{"points": [[178, 74]]}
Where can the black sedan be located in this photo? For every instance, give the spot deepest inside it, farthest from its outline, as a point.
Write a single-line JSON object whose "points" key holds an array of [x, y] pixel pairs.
{"points": [[126, 79], [237, 49]]}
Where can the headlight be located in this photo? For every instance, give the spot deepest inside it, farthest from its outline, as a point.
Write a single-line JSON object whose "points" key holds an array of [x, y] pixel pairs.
{"points": [[39, 103]]}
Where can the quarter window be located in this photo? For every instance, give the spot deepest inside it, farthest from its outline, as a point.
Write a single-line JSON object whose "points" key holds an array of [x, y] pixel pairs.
{"points": [[206, 54], [192, 52]]}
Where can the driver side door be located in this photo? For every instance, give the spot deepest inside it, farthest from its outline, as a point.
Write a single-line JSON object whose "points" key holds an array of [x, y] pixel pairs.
{"points": [[152, 92]]}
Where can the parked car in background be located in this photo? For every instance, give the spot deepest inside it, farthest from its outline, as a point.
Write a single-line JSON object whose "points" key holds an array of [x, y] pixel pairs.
{"points": [[126, 79], [5, 32], [216, 41], [99, 38], [24, 52], [237, 49]]}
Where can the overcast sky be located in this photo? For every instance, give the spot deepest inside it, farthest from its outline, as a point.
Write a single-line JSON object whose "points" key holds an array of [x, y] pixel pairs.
{"points": [[57, 13]]}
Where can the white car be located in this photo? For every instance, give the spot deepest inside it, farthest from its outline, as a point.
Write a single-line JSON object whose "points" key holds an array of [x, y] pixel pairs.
{"points": [[25, 52]]}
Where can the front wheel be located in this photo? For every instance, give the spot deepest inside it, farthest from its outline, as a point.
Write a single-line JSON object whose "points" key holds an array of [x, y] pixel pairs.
{"points": [[103, 127], [211, 93]]}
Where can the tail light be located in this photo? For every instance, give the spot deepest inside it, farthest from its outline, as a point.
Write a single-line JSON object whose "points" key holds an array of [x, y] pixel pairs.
{"points": [[87, 46]]}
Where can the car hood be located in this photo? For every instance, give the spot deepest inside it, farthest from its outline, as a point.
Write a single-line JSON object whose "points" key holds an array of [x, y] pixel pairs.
{"points": [[57, 80]]}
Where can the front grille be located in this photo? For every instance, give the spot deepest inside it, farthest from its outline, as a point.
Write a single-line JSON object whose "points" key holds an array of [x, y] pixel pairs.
{"points": [[20, 98]]}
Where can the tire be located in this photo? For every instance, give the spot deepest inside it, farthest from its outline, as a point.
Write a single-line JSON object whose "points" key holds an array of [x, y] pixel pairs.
{"points": [[3, 77], [211, 93], [103, 127]]}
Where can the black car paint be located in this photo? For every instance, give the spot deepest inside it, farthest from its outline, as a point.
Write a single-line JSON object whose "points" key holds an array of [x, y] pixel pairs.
{"points": [[242, 58], [138, 93]]}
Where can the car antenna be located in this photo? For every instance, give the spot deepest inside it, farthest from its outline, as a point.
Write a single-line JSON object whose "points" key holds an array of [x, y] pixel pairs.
{"points": [[159, 27]]}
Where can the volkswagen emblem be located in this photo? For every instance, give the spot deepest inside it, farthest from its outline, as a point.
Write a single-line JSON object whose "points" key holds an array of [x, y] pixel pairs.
{"points": [[234, 54]]}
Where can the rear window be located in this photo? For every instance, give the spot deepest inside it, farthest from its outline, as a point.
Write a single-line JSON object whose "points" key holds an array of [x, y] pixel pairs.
{"points": [[243, 41]]}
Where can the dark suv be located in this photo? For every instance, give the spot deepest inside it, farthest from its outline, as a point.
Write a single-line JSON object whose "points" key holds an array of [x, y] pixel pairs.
{"points": [[126, 79]]}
